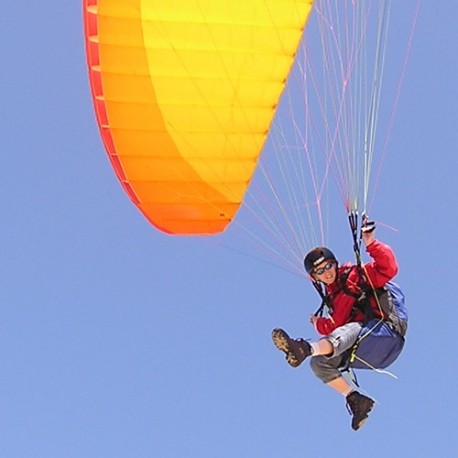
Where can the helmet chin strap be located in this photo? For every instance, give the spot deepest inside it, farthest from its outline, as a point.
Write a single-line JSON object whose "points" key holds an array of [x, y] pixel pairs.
{"points": [[325, 299]]}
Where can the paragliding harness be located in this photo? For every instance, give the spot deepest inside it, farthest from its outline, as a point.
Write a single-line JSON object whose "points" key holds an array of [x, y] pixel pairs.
{"points": [[381, 339]]}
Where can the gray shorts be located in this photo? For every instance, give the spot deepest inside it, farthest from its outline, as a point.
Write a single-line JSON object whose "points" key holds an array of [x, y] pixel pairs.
{"points": [[326, 368]]}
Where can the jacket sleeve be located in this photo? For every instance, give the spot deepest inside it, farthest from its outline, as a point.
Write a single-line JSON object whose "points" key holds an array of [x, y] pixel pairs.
{"points": [[343, 306], [384, 265]]}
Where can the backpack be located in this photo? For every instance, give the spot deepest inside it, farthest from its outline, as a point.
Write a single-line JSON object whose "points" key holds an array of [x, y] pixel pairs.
{"points": [[392, 301]]}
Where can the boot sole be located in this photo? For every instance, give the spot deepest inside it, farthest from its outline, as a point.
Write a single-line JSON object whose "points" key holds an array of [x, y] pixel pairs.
{"points": [[281, 341]]}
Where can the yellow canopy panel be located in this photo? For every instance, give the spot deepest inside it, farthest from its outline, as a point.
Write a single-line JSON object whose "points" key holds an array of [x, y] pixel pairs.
{"points": [[184, 93]]}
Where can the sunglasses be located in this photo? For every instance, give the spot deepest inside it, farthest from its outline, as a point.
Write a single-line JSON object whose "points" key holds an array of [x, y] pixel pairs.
{"points": [[322, 270]]}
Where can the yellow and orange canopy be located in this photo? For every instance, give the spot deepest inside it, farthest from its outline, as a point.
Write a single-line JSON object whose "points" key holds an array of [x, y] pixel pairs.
{"points": [[184, 94]]}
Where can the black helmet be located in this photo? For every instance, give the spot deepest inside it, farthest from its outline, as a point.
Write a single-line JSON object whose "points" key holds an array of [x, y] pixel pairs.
{"points": [[316, 257]]}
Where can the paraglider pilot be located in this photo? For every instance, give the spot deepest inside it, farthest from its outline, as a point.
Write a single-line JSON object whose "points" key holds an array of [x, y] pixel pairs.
{"points": [[341, 328]]}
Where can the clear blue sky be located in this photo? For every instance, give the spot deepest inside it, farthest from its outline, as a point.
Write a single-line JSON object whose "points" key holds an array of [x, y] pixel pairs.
{"points": [[118, 341]]}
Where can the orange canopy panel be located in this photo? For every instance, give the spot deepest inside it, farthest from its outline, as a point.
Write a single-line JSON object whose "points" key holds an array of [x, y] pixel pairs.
{"points": [[184, 93]]}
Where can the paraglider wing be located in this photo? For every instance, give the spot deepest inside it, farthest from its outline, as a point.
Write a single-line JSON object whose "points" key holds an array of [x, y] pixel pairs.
{"points": [[184, 94]]}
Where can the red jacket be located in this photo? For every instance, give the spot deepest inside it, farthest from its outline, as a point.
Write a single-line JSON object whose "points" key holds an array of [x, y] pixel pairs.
{"points": [[378, 272]]}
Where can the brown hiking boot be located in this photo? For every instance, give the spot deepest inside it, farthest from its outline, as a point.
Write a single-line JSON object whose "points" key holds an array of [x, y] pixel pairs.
{"points": [[296, 350], [359, 406]]}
